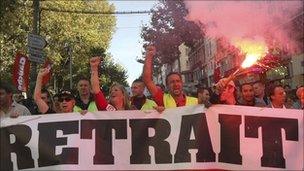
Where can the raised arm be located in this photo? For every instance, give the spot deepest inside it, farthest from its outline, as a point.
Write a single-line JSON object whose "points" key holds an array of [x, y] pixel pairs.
{"points": [[42, 105], [100, 100], [94, 63], [147, 70]]}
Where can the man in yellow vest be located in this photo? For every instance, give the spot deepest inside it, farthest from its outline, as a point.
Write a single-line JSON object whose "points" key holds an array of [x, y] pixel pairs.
{"points": [[138, 99], [175, 97], [84, 99]]}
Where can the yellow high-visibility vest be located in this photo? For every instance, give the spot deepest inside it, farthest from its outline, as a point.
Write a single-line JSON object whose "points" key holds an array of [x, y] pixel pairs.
{"points": [[169, 101], [92, 107], [149, 104]]}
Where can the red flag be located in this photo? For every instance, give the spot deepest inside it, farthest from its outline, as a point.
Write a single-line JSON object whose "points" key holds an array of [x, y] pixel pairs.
{"points": [[217, 74], [46, 78], [21, 72]]}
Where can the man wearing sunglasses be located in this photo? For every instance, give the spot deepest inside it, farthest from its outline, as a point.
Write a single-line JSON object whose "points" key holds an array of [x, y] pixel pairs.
{"points": [[67, 101]]}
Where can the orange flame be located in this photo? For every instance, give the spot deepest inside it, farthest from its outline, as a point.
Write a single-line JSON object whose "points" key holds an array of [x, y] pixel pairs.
{"points": [[253, 49]]}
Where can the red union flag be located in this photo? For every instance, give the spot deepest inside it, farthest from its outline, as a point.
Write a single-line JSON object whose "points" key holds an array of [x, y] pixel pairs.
{"points": [[21, 72], [217, 74]]}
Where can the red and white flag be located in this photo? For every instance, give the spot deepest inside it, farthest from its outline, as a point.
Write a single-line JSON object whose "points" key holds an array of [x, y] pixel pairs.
{"points": [[21, 72]]}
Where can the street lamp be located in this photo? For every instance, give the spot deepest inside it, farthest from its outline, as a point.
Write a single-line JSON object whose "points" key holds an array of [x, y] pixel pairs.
{"points": [[69, 59]]}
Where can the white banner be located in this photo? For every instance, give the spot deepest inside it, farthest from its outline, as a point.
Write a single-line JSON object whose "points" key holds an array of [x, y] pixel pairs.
{"points": [[222, 137]]}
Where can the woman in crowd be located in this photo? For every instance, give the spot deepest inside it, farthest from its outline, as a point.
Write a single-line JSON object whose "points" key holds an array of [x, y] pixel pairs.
{"points": [[119, 98]]}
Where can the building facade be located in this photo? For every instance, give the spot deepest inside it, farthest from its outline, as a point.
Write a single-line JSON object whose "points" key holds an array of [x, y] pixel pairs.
{"points": [[211, 59]]}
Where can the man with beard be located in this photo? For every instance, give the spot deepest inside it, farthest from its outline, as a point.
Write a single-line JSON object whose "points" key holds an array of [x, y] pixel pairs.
{"points": [[175, 96], [84, 100], [203, 95], [138, 99], [247, 97]]}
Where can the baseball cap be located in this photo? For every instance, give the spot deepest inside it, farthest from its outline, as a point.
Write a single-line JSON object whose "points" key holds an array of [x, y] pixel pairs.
{"points": [[66, 93]]}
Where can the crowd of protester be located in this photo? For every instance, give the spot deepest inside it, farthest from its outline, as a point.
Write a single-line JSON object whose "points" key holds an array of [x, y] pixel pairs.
{"points": [[90, 96]]}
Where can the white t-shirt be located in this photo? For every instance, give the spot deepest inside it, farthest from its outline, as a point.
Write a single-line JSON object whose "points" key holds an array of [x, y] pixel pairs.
{"points": [[15, 110]]}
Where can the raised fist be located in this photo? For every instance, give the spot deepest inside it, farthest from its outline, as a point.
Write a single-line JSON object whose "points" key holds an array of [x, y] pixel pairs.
{"points": [[95, 61], [150, 50], [44, 71]]}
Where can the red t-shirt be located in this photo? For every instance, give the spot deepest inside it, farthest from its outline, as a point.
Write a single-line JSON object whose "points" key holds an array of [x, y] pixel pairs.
{"points": [[159, 97], [102, 103]]}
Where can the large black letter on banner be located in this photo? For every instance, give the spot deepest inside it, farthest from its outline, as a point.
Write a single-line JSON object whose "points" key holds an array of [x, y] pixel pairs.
{"points": [[141, 141], [271, 137], [23, 135], [103, 139], [48, 142], [230, 139], [202, 140]]}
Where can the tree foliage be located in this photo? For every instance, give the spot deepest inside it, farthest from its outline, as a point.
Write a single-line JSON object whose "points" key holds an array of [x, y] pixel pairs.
{"points": [[169, 28], [110, 72], [14, 25], [77, 32]]}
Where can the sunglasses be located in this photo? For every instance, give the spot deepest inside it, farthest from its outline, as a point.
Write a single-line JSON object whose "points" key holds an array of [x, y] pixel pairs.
{"points": [[67, 99]]}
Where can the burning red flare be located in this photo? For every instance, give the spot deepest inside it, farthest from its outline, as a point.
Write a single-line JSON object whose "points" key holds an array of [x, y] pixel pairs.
{"points": [[254, 50]]}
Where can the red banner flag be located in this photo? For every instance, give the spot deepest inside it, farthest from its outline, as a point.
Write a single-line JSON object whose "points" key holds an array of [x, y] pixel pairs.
{"points": [[46, 78], [21, 72], [217, 74]]}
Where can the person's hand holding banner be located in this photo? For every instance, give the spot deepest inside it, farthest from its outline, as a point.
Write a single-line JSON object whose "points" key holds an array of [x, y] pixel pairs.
{"points": [[159, 109], [83, 112]]}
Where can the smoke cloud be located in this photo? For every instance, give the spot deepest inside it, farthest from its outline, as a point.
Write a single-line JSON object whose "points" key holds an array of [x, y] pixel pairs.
{"points": [[267, 21]]}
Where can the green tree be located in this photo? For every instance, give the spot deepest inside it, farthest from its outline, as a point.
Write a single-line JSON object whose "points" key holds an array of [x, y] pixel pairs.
{"points": [[14, 26], [109, 71], [168, 29], [63, 24]]}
